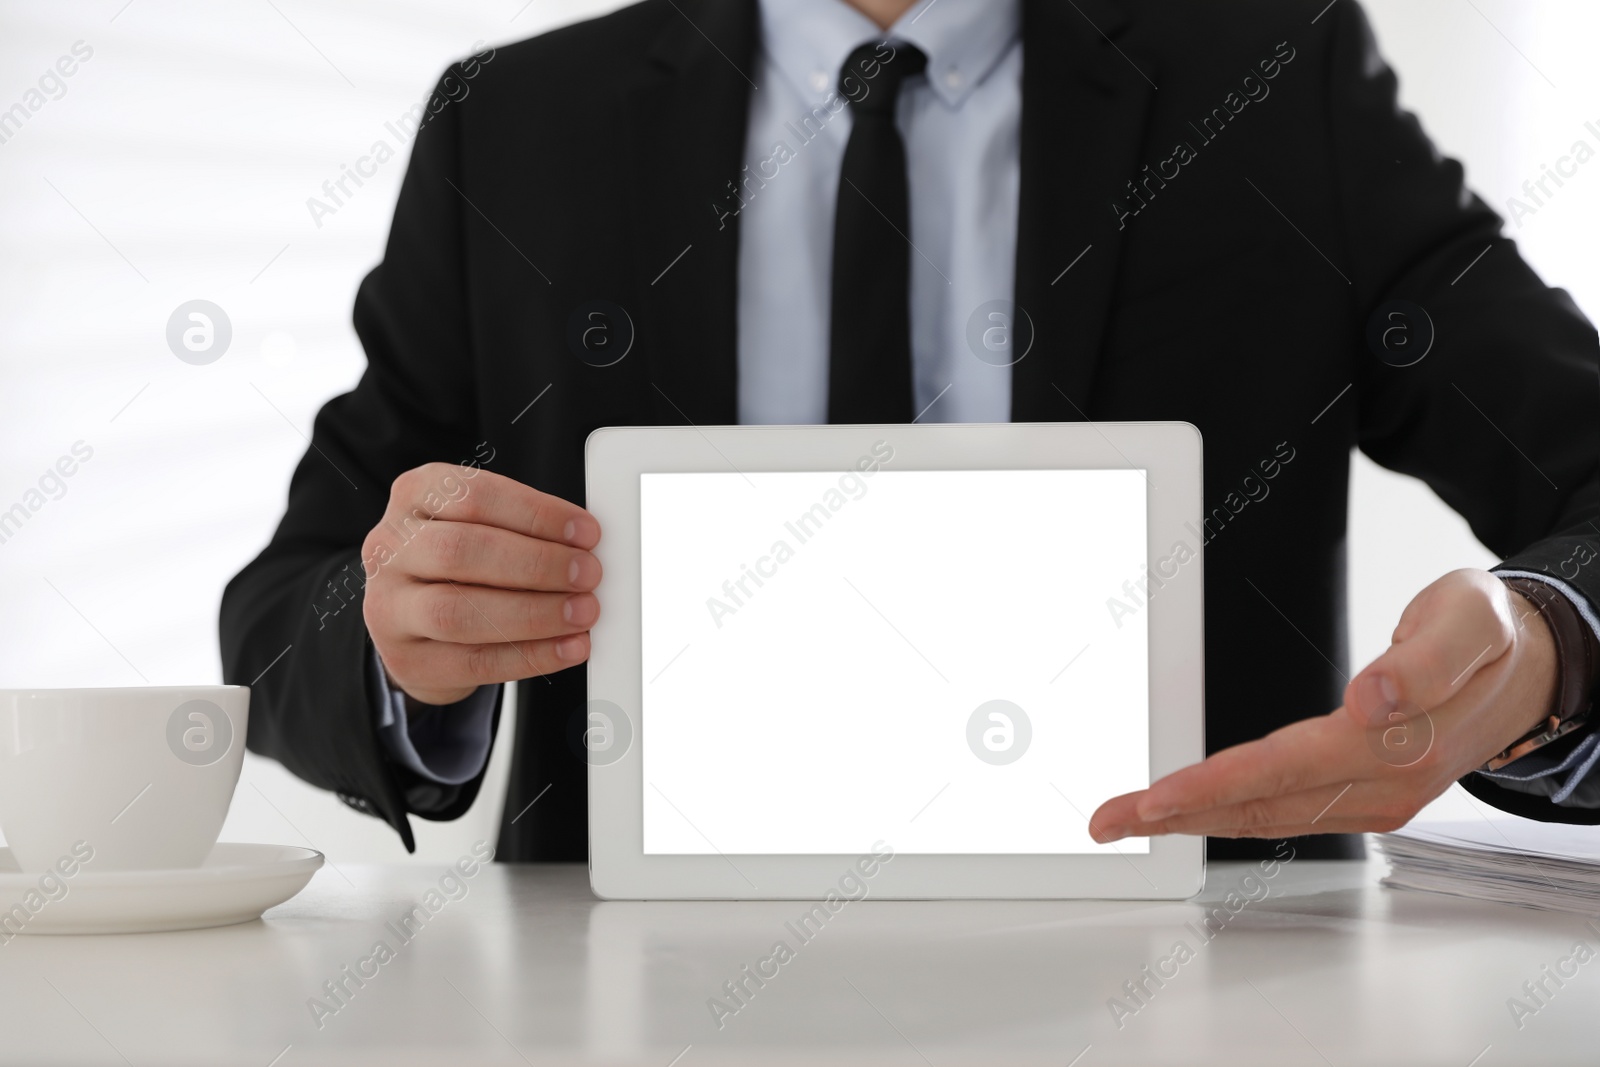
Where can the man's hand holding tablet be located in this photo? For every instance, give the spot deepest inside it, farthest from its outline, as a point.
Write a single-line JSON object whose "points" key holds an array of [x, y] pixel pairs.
{"points": [[474, 579]]}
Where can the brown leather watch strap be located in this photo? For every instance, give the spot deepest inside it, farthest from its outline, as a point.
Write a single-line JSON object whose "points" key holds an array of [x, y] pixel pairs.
{"points": [[1577, 664]]}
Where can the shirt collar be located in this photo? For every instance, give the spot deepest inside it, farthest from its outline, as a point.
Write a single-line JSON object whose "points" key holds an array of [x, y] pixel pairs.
{"points": [[809, 40]]}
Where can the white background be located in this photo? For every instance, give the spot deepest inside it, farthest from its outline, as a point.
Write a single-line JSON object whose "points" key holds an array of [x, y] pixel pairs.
{"points": [[830, 710], [189, 145]]}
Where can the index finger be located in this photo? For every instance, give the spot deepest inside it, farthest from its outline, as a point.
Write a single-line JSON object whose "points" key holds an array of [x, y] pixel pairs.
{"points": [[446, 491], [1295, 758]]}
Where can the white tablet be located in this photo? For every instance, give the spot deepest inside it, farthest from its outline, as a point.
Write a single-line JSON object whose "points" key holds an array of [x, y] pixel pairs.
{"points": [[891, 661]]}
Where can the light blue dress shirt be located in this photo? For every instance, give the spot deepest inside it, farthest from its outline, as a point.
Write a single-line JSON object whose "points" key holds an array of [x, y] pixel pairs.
{"points": [[450, 747], [962, 130]]}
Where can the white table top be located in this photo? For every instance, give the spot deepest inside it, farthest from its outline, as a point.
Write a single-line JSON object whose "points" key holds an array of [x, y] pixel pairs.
{"points": [[529, 968]]}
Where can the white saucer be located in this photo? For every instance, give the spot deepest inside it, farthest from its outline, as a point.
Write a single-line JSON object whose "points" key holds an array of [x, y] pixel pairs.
{"points": [[235, 884]]}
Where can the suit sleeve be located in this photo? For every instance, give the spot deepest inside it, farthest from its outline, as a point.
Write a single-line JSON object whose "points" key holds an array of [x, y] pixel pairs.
{"points": [[1502, 417], [313, 709]]}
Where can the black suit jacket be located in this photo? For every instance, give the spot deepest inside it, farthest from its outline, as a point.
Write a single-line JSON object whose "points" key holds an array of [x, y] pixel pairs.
{"points": [[1230, 284]]}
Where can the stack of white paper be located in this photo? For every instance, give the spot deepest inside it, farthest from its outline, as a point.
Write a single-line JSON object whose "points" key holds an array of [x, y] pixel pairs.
{"points": [[1514, 861]]}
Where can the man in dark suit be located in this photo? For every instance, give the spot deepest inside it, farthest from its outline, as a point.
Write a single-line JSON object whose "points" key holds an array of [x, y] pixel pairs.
{"points": [[1200, 211]]}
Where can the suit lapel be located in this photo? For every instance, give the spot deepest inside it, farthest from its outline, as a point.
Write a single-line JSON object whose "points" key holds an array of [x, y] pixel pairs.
{"points": [[1083, 117], [688, 124]]}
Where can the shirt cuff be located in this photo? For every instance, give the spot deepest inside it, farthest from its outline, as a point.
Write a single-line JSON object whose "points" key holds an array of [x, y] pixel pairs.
{"points": [[1578, 600], [448, 744], [1569, 771]]}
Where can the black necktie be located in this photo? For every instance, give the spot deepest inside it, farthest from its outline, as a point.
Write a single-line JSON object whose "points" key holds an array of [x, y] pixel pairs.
{"points": [[869, 366]]}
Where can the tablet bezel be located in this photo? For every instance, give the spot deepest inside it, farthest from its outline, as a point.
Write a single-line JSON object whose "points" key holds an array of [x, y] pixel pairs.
{"points": [[1169, 453]]}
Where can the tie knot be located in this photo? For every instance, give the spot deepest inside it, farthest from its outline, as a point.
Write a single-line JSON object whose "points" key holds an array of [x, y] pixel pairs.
{"points": [[871, 76]]}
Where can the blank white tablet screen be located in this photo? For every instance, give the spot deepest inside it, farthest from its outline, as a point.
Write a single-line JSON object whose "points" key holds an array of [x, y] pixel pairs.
{"points": [[821, 650]]}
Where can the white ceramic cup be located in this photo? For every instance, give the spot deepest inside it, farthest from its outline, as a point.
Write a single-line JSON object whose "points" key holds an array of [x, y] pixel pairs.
{"points": [[142, 775]]}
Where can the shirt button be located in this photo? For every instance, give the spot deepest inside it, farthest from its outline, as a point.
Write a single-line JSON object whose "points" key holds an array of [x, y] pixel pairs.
{"points": [[953, 79], [819, 80]]}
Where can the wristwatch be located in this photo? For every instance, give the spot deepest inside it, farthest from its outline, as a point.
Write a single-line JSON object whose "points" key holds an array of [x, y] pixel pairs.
{"points": [[1577, 666]]}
